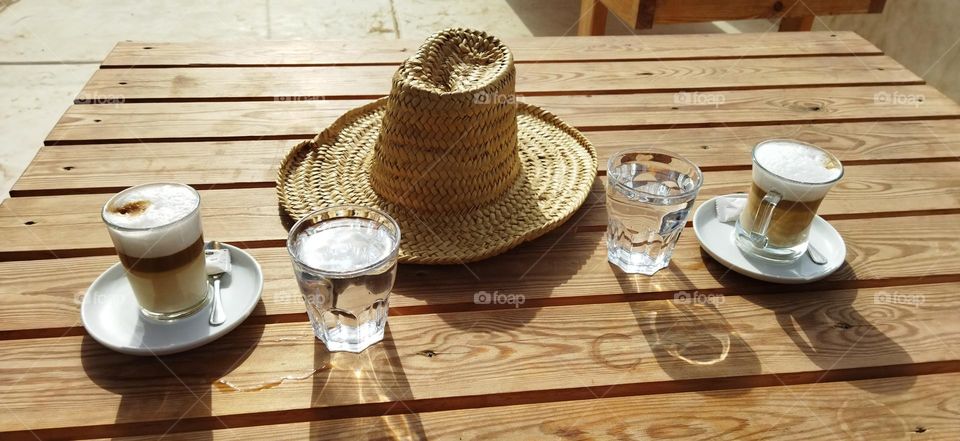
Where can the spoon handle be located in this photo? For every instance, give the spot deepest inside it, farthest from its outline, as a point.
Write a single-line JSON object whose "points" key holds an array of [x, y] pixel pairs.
{"points": [[815, 255], [217, 314]]}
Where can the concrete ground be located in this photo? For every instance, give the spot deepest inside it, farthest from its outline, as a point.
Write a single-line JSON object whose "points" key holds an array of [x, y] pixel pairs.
{"points": [[49, 48]]}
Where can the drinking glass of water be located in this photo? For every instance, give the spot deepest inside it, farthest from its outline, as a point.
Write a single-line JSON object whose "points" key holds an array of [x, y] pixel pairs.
{"points": [[345, 260], [649, 196]]}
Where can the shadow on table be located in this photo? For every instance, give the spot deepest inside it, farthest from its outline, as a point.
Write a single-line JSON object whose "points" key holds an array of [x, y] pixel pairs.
{"points": [[825, 331], [168, 388], [374, 376], [510, 281], [689, 336], [831, 328]]}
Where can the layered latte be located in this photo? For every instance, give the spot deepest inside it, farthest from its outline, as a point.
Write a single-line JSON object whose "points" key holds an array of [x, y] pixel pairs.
{"points": [[158, 236]]}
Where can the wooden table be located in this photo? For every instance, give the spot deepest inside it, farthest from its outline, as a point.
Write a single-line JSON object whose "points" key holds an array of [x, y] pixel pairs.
{"points": [[873, 352]]}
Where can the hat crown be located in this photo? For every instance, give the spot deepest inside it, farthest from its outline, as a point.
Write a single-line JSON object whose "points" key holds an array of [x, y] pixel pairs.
{"points": [[448, 142]]}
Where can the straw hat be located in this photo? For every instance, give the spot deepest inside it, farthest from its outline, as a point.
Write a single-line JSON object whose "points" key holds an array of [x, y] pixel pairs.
{"points": [[466, 170]]}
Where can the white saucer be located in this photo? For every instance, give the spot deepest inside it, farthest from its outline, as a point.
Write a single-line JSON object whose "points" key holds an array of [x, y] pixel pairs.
{"points": [[112, 317], [717, 239]]}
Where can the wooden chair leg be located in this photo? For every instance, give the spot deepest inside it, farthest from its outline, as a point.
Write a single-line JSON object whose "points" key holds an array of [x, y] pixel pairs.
{"points": [[593, 18], [790, 24]]}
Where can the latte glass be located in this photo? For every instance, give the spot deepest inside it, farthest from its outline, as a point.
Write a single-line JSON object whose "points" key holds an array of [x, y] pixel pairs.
{"points": [[157, 234], [790, 180]]}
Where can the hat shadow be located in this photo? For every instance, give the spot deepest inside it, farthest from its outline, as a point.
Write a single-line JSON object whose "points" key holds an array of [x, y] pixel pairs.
{"points": [[517, 282]]}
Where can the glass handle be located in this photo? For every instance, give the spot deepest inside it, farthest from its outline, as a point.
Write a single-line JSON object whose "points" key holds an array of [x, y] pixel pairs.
{"points": [[764, 216]]}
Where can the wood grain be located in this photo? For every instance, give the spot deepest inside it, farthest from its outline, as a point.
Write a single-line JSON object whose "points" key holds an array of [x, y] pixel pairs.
{"points": [[62, 226], [300, 83], [73, 381], [888, 408], [155, 122], [628, 11], [593, 18], [205, 165], [42, 297], [525, 50], [795, 24], [238, 164], [753, 107], [686, 11]]}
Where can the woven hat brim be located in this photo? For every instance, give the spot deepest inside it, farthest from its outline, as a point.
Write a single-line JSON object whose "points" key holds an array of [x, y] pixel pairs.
{"points": [[558, 170]]}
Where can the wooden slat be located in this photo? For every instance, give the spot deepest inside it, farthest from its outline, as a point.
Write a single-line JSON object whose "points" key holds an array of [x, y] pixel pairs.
{"points": [[686, 11], [73, 381], [888, 408], [224, 164], [593, 18], [64, 225], [68, 169], [97, 123], [41, 297], [650, 47], [293, 83], [197, 121], [755, 107]]}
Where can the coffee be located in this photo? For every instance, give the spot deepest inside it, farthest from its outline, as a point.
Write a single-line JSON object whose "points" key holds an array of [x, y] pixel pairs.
{"points": [[158, 236], [790, 222], [790, 180]]}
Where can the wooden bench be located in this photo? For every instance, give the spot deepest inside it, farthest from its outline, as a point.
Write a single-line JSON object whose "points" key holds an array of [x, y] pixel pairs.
{"points": [[794, 15]]}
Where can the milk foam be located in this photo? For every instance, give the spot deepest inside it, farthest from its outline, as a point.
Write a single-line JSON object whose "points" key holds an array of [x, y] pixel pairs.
{"points": [[148, 216], [814, 170]]}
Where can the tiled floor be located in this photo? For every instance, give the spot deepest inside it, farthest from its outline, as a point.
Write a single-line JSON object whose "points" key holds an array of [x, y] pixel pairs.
{"points": [[49, 48]]}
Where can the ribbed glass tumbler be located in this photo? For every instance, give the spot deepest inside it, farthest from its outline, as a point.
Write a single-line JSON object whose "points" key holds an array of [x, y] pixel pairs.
{"points": [[650, 194]]}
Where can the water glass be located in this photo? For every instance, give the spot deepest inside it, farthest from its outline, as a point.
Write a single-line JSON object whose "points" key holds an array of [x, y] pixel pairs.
{"points": [[345, 260], [649, 196]]}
